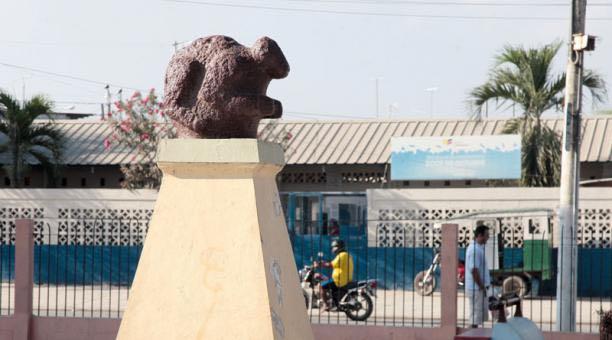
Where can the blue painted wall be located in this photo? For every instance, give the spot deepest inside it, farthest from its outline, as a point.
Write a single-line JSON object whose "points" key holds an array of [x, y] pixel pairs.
{"points": [[395, 268]]}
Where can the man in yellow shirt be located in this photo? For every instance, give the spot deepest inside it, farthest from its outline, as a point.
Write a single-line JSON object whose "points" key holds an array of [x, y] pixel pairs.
{"points": [[342, 272]]}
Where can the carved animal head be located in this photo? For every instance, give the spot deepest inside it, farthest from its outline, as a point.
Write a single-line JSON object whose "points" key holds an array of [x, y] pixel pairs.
{"points": [[216, 88]]}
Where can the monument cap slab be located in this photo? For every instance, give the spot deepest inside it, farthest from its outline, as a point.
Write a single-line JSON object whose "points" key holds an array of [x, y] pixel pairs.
{"points": [[250, 151]]}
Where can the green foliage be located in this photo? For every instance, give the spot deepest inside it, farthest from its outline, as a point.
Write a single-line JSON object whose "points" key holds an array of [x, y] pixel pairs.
{"points": [[540, 154], [524, 77], [26, 141], [139, 123]]}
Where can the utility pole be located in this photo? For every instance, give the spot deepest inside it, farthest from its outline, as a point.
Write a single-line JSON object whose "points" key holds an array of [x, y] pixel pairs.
{"points": [[23, 92], [570, 172], [108, 100], [377, 97], [432, 91]]}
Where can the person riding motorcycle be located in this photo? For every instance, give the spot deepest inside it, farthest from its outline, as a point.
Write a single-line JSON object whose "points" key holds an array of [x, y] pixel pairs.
{"points": [[342, 273]]}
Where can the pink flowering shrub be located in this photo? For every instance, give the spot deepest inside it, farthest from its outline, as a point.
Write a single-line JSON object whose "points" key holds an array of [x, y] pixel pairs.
{"points": [[139, 123]]}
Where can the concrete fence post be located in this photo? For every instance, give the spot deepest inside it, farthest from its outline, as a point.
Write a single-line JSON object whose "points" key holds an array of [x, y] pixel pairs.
{"points": [[448, 278], [24, 281]]}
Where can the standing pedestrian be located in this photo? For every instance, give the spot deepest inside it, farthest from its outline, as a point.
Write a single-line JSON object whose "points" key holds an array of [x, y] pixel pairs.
{"points": [[477, 277]]}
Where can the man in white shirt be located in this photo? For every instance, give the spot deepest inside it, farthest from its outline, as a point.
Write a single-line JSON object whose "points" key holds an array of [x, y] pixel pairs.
{"points": [[477, 277]]}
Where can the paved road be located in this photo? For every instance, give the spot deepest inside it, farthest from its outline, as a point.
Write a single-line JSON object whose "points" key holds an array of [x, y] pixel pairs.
{"points": [[405, 308]]}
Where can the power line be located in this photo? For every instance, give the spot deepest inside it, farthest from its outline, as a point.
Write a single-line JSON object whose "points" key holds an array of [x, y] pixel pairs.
{"points": [[450, 3], [63, 82], [89, 43], [67, 76], [383, 14], [76, 102]]}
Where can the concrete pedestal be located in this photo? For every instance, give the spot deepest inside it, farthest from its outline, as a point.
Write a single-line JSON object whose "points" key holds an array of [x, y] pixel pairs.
{"points": [[217, 262]]}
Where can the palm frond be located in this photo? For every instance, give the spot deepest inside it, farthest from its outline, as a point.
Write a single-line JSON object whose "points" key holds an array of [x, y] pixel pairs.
{"points": [[513, 55], [35, 107], [540, 62], [490, 91], [45, 131], [28, 140], [512, 126], [11, 103], [555, 91], [596, 86], [42, 157], [49, 146], [4, 128]]}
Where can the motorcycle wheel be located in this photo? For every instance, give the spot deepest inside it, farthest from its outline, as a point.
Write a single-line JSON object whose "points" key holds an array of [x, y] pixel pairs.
{"points": [[424, 288], [367, 306]]}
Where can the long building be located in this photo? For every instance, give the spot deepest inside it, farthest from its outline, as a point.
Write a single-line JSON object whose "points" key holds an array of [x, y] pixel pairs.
{"points": [[322, 156]]}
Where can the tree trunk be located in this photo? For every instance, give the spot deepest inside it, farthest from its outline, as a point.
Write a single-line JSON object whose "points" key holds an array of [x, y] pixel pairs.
{"points": [[16, 170]]}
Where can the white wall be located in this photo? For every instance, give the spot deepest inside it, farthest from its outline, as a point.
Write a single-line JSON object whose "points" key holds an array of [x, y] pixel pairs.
{"points": [[90, 216], [395, 213]]}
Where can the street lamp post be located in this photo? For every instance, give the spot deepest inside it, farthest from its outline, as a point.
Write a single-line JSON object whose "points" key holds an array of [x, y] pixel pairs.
{"points": [[431, 91]]}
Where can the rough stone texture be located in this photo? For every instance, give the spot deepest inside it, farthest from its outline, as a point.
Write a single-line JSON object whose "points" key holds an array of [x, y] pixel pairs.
{"points": [[216, 88]]}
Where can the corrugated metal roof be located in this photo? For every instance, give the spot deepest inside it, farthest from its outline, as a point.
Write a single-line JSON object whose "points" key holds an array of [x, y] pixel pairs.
{"points": [[369, 141], [338, 141]]}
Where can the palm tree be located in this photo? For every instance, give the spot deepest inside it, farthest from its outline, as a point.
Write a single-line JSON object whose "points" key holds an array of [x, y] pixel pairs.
{"points": [[26, 142], [524, 77]]}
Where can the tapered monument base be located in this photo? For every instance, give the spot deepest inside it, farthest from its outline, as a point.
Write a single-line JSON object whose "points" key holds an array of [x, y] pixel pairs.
{"points": [[217, 262]]}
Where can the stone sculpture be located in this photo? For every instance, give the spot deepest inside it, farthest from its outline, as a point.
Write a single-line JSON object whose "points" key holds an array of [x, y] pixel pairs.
{"points": [[216, 88]]}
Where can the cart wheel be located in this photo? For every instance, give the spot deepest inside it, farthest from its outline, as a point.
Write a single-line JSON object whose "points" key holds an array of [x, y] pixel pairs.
{"points": [[514, 284]]}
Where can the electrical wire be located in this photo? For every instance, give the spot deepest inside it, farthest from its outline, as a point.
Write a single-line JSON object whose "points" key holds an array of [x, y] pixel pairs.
{"points": [[67, 76], [92, 43], [383, 14], [77, 102], [452, 3]]}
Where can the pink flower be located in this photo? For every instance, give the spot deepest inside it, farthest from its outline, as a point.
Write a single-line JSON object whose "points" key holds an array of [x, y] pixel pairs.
{"points": [[135, 94], [144, 136], [107, 144], [125, 126]]}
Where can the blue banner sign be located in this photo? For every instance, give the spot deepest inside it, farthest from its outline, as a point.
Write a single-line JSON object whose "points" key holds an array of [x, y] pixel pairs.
{"points": [[458, 157]]}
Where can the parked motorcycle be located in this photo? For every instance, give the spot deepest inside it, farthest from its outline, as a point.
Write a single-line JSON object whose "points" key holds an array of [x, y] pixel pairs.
{"points": [[354, 299], [425, 281]]}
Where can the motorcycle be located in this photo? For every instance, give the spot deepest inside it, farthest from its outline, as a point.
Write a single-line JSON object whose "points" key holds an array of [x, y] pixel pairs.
{"points": [[425, 281], [354, 299]]}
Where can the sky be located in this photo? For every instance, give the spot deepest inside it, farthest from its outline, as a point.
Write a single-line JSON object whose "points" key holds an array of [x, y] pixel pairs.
{"points": [[338, 50]]}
